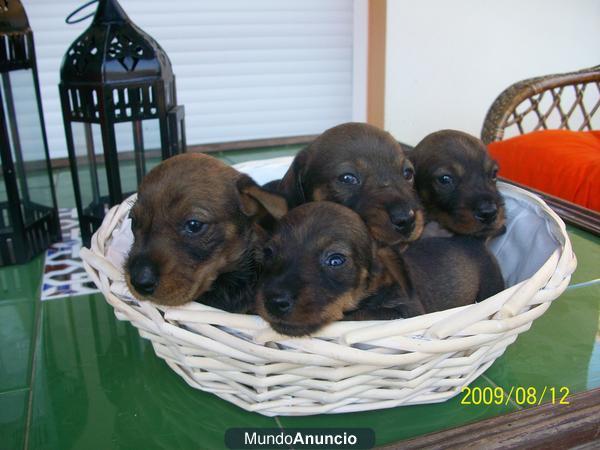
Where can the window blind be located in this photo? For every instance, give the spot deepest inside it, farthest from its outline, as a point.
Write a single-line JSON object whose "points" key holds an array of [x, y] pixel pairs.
{"points": [[245, 69]]}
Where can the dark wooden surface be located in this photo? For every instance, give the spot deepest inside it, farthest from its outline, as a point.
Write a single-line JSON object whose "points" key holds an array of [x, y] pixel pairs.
{"points": [[545, 427]]}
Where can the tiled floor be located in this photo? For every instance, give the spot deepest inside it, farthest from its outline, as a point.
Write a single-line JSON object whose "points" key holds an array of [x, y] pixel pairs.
{"points": [[72, 376]]}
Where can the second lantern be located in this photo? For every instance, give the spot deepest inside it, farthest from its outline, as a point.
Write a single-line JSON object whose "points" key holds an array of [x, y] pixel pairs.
{"points": [[120, 112]]}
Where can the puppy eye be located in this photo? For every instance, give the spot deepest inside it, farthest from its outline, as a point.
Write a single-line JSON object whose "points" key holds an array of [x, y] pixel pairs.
{"points": [[349, 178], [335, 260], [409, 173], [193, 226], [445, 179], [268, 253]]}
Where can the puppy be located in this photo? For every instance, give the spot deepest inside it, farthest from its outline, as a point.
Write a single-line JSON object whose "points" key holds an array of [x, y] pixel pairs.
{"points": [[195, 234], [363, 168], [456, 182], [322, 265]]}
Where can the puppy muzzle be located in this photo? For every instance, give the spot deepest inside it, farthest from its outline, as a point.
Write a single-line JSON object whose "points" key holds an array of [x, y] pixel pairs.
{"points": [[279, 304], [143, 276]]}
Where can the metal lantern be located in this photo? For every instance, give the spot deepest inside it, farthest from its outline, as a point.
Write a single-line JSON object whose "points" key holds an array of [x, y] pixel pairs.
{"points": [[29, 217], [120, 112]]}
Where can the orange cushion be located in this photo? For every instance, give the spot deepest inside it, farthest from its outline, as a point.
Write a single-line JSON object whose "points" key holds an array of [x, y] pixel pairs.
{"points": [[563, 163]]}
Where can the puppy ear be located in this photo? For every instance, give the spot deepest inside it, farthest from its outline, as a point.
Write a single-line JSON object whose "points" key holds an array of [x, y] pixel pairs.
{"points": [[291, 185], [256, 201]]}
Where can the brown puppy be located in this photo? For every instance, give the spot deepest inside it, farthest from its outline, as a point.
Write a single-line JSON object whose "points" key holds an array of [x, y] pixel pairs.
{"points": [[322, 265], [363, 168], [456, 181], [195, 234]]}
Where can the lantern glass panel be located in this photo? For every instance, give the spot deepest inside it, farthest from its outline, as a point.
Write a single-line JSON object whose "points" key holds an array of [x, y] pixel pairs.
{"points": [[3, 193], [180, 134], [27, 144], [89, 156], [138, 150], [152, 143], [5, 223]]}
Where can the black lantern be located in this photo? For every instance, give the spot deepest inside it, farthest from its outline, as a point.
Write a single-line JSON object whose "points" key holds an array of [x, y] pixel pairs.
{"points": [[120, 112], [28, 217]]}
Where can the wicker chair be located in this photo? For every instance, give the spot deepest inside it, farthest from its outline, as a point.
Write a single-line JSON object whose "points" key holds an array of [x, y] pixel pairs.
{"points": [[568, 101]]}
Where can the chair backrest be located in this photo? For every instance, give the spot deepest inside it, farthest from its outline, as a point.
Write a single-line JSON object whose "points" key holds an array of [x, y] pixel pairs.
{"points": [[568, 101]]}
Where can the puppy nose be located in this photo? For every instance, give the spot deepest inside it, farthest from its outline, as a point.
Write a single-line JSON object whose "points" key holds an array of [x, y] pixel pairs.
{"points": [[486, 212], [279, 304], [403, 220], [144, 279]]}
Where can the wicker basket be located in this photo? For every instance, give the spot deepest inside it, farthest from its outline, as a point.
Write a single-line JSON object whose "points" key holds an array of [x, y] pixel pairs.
{"points": [[347, 366]]}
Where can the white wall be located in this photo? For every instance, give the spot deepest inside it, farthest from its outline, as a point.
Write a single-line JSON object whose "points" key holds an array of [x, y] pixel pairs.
{"points": [[446, 61]]}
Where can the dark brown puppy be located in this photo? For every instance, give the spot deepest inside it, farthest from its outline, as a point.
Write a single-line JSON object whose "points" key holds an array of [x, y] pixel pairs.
{"points": [[363, 168], [322, 265], [195, 234], [443, 273], [456, 181]]}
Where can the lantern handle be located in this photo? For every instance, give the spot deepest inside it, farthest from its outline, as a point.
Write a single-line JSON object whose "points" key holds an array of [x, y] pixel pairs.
{"points": [[69, 20]]}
